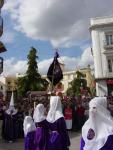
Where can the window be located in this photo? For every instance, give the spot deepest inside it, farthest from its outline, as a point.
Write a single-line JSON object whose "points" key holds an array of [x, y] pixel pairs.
{"points": [[84, 75], [9, 88], [110, 65], [9, 82], [109, 39]]}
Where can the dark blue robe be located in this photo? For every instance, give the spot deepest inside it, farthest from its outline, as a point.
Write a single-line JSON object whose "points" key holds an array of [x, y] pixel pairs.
{"points": [[107, 146], [20, 118], [29, 141], [59, 139], [10, 127], [41, 136]]}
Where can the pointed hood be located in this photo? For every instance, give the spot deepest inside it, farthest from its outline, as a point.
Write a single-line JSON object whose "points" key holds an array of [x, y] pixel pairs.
{"points": [[99, 126], [11, 106], [55, 111], [12, 101], [39, 113], [28, 125]]}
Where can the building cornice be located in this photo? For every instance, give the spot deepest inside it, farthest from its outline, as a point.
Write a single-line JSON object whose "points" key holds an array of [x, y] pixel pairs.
{"points": [[108, 52], [103, 78], [103, 25]]}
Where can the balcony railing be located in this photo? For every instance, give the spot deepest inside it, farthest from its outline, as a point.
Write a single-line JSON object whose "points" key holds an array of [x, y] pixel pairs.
{"points": [[108, 44], [1, 3]]}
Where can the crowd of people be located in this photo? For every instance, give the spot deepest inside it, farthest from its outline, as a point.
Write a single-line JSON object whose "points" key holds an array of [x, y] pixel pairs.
{"points": [[45, 125], [74, 111], [42, 130]]}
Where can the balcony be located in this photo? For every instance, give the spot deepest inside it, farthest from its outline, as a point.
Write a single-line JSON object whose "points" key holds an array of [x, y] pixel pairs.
{"points": [[108, 45], [1, 3]]}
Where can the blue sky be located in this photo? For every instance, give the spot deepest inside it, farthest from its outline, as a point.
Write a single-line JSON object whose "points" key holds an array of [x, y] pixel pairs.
{"points": [[46, 25], [20, 45]]}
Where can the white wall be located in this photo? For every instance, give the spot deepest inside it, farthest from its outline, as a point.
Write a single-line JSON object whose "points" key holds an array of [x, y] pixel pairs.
{"points": [[101, 88], [3, 84], [101, 20], [99, 27], [97, 54]]}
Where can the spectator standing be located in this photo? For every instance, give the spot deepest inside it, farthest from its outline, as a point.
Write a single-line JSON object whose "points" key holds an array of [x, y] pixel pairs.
{"points": [[80, 114], [68, 117]]}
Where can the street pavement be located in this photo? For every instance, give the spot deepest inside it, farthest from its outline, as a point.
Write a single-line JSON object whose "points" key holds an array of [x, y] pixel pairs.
{"points": [[75, 141], [19, 145]]}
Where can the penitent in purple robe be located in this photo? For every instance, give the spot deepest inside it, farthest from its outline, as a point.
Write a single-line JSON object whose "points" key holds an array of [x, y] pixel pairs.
{"points": [[107, 146], [41, 135], [29, 141], [59, 139]]}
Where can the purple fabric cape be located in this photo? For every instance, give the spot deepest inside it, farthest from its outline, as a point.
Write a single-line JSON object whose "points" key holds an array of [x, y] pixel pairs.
{"points": [[41, 136], [29, 142], [59, 139]]}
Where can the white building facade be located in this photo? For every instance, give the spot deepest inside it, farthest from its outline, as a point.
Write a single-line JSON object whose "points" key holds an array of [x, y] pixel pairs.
{"points": [[68, 76], [102, 47], [3, 87]]}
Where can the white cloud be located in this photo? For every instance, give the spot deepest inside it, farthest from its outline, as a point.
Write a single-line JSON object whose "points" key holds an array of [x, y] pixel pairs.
{"points": [[12, 66], [71, 63], [62, 22], [12, 7], [86, 58]]}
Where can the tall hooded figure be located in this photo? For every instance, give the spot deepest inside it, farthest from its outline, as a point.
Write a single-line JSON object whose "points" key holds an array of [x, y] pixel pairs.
{"points": [[29, 133], [42, 132], [10, 122], [59, 139], [97, 132]]}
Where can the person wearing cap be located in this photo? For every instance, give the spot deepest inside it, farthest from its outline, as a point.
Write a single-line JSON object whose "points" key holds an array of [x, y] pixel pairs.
{"points": [[59, 139], [97, 132], [10, 122], [42, 132], [29, 133]]}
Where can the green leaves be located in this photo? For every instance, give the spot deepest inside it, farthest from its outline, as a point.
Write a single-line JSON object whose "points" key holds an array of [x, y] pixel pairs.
{"points": [[76, 84], [32, 81]]}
